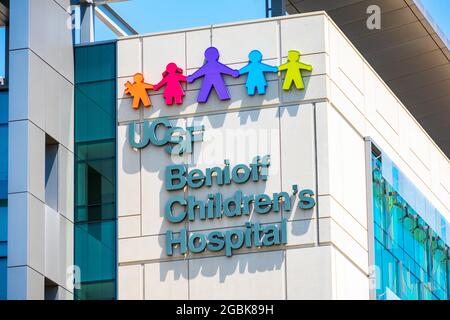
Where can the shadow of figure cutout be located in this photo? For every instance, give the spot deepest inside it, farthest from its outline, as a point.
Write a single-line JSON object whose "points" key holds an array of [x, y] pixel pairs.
{"points": [[255, 69], [212, 72], [172, 78], [138, 90], [293, 71]]}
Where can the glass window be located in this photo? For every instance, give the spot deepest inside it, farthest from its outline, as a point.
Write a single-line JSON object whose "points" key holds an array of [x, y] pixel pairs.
{"points": [[3, 190], [93, 150], [3, 161], [411, 260], [3, 221], [410, 290], [390, 271], [380, 288], [95, 171], [95, 63], [95, 255], [98, 290], [3, 278], [3, 247], [96, 183], [3, 107], [96, 244], [95, 113], [51, 175]]}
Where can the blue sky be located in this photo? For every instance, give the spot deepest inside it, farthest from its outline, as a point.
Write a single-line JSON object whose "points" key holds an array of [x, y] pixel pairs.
{"points": [[153, 16], [439, 10]]}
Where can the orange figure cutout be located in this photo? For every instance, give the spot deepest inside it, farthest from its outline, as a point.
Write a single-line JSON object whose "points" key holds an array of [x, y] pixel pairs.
{"points": [[138, 90]]}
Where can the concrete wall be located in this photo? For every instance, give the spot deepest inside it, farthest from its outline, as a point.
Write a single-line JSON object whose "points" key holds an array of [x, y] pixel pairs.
{"points": [[40, 239], [315, 138]]}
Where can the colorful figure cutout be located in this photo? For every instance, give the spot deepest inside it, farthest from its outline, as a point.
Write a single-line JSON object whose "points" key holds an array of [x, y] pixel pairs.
{"points": [[212, 72], [172, 78], [256, 79], [138, 90], [293, 71]]}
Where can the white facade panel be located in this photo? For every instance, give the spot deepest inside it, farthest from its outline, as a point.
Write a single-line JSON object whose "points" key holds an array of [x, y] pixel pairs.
{"points": [[66, 183], [19, 34], [159, 51], [153, 195], [58, 247], [166, 280], [25, 284], [309, 273], [129, 58], [18, 98], [41, 103], [196, 42], [129, 177], [351, 283], [129, 227], [297, 150], [313, 37], [44, 37], [255, 276], [17, 226], [129, 277], [36, 235], [262, 36]]}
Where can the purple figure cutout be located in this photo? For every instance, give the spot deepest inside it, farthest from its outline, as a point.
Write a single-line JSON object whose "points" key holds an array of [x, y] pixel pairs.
{"points": [[212, 72]]}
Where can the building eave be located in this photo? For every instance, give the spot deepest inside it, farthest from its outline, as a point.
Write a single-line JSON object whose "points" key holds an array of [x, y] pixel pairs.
{"points": [[409, 52]]}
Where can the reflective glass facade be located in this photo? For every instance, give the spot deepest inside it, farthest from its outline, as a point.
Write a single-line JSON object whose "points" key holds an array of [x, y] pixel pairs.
{"points": [[411, 258], [3, 190], [95, 171]]}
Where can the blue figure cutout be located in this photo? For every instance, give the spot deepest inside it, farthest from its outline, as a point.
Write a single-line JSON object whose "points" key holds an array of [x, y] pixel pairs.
{"points": [[212, 72], [256, 69]]}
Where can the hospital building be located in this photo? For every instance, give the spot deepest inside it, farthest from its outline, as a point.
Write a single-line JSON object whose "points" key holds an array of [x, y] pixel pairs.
{"points": [[338, 188]]}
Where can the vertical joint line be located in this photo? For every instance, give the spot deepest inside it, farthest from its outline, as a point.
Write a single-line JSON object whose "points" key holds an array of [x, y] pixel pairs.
{"points": [[316, 173], [280, 60], [211, 35], [281, 182], [370, 217], [143, 281]]}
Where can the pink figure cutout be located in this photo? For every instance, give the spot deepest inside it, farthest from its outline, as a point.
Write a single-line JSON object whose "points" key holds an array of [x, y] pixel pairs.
{"points": [[172, 78]]}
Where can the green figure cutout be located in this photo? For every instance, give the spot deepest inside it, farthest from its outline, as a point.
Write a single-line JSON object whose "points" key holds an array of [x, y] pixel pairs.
{"points": [[293, 71]]}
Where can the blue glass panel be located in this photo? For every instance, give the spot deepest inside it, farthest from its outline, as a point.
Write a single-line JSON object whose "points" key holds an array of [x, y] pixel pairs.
{"points": [[3, 161], [410, 255], [95, 250], [95, 63], [410, 290], [98, 290], [95, 111], [93, 150], [3, 191], [3, 221], [3, 249], [408, 240], [95, 171], [3, 107], [378, 272], [415, 199], [390, 269], [95, 184], [3, 278]]}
